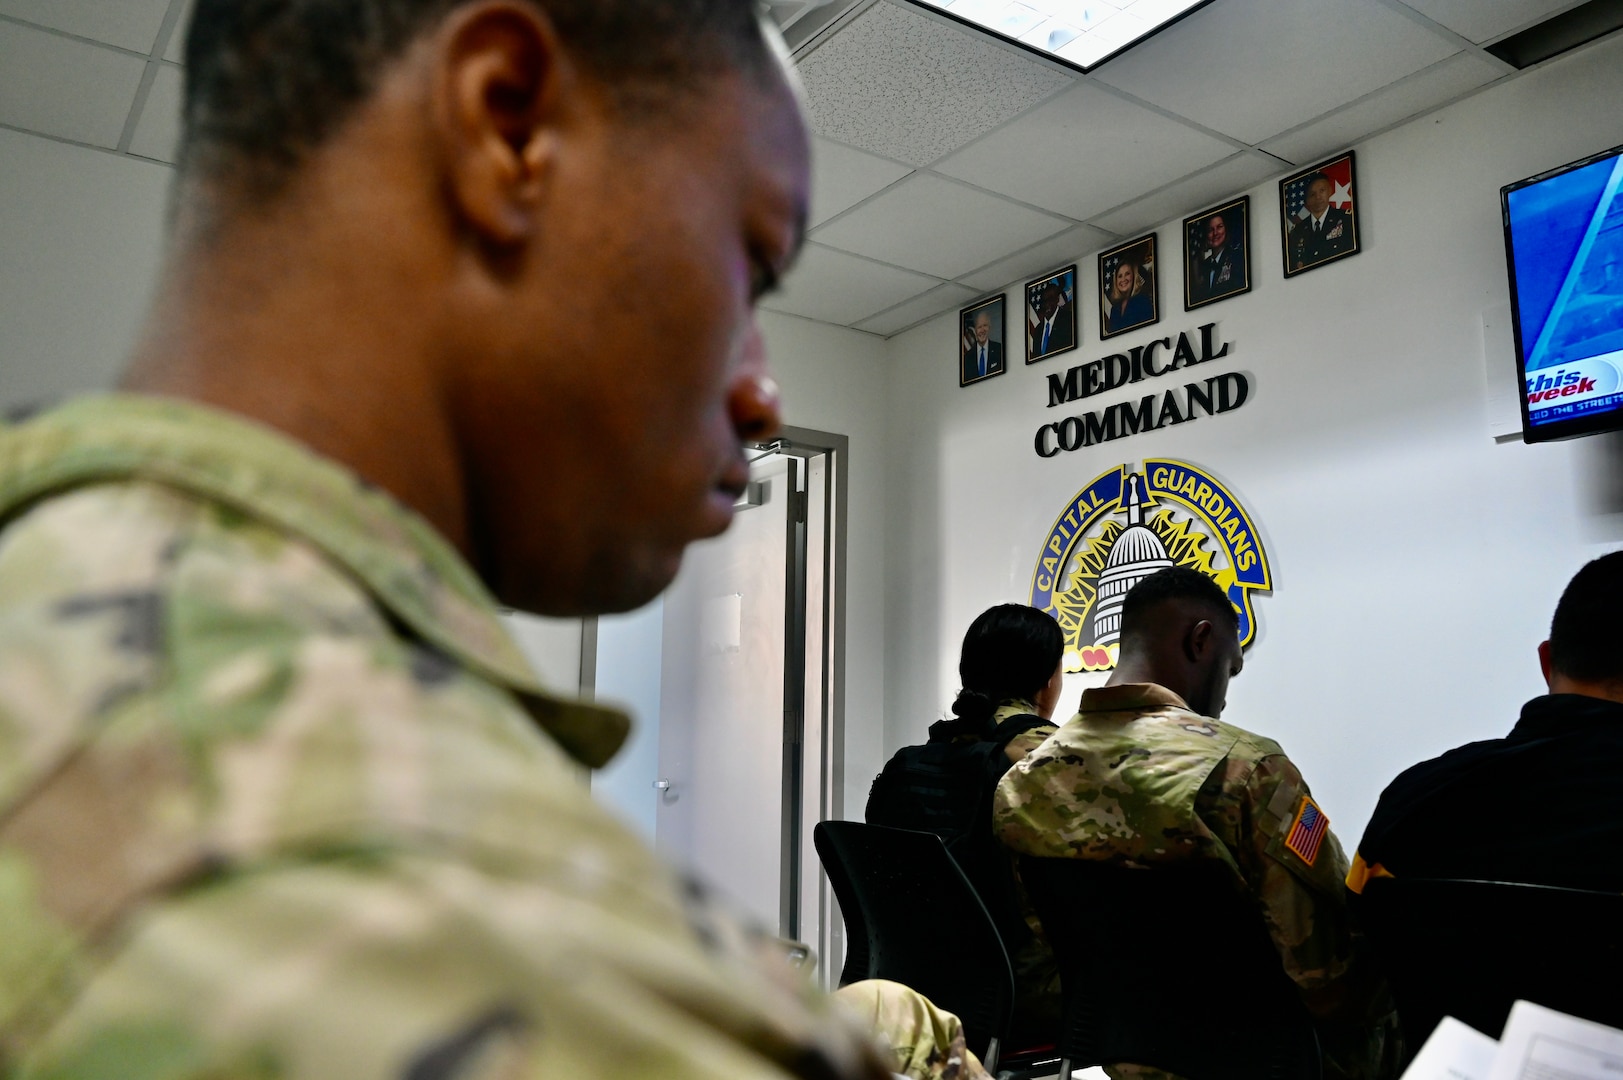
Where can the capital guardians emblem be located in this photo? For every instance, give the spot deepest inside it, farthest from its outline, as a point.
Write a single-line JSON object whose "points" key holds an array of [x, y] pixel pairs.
{"points": [[1124, 526]]}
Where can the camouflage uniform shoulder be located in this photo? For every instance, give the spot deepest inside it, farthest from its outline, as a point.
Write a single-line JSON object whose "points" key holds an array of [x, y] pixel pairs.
{"points": [[255, 823]]}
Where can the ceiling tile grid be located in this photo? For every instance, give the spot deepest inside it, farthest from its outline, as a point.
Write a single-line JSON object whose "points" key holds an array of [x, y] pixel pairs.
{"points": [[126, 24], [938, 226], [1254, 69], [843, 176], [1458, 75], [1084, 152], [64, 88], [832, 286], [898, 83], [910, 314], [1040, 258], [947, 164], [175, 52], [1485, 20], [157, 134], [1191, 194]]}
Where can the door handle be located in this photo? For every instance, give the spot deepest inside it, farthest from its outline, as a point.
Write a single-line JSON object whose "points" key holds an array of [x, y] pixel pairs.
{"points": [[662, 785]]}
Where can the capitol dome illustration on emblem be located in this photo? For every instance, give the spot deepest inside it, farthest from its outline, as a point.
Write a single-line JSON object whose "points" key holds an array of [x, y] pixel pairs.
{"points": [[1136, 554]]}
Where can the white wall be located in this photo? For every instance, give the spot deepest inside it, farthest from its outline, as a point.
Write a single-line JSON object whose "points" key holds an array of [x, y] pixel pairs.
{"points": [[1415, 562]]}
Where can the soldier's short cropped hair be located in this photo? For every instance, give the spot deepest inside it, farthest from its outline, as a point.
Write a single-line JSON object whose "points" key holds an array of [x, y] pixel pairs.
{"points": [[1586, 635], [268, 80], [1174, 583]]}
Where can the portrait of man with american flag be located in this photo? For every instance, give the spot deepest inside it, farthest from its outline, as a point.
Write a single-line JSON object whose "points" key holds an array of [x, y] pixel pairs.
{"points": [[1320, 215]]}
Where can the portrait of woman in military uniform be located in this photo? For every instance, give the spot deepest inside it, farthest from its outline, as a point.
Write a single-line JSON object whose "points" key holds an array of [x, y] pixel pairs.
{"points": [[1217, 254]]}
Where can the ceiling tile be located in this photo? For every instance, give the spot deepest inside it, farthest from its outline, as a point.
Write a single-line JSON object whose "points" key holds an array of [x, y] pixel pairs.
{"points": [[899, 83], [1084, 152], [843, 177], [175, 52], [1067, 247], [69, 89], [157, 133], [1256, 68], [934, 302], [129, 24], [839, 288], [1484, 20], [1191, 194], [1437, 84], [938, 226]]}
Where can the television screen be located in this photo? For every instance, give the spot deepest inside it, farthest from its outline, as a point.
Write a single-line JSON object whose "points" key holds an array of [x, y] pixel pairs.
{"points": [[1564, 234]]}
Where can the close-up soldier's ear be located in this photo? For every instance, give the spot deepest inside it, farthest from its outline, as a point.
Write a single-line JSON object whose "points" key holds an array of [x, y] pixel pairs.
{"points": [[499, 82], [1197, 640]]}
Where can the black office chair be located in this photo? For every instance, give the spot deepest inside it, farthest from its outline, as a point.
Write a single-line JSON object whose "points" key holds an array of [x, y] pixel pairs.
{"points": [[1468, 949], [1172, 968], [911, 916]]}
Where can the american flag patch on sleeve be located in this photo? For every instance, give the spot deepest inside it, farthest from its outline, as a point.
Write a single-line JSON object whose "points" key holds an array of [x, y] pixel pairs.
{"points": [[1307, 834]]}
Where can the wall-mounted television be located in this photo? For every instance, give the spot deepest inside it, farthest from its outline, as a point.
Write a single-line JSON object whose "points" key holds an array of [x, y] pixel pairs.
{"points": [[1564, 239]]}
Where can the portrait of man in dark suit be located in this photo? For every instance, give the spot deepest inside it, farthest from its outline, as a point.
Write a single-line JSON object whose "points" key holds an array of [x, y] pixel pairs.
{"points": [[1217, 260], [981, 341], [1051, 315], [1321, 218]]}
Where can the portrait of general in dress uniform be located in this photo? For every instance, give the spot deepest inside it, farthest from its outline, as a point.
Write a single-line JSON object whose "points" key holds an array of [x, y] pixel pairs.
{"points": [[1217, 254], [1051, 315], [980, 341], [1127, 288], [1320, 212]]}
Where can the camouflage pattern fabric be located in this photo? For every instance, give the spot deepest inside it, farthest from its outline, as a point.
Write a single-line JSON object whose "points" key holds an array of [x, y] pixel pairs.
{"points": [[1027, 741], [1138, 778], [279, 798], [926, 1042]]}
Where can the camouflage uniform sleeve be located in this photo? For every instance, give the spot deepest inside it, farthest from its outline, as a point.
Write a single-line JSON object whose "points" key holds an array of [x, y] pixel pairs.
{"points": [[1297, 879], [926, 1042], [250, 829], [1027, 741], [414, 969]]}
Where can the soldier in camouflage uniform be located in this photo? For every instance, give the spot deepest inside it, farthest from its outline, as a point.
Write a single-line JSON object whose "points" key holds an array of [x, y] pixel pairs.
{"points": [[279, 797], [1145, 774]]}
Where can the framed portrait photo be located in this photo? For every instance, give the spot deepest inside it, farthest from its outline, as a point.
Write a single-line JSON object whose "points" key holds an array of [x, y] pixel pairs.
{"points": [[981, 340], [1127, 289], [1318, 208], [1051, 315], [1217, 254]]}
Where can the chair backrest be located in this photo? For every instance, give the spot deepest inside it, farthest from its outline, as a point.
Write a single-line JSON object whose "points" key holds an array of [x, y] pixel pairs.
{"points": [[1468, 949], [1169, 967], [912, 917]]}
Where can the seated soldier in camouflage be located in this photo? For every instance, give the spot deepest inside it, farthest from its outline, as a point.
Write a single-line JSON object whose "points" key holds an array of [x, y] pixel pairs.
{"points": [[279, 797], [1144, 773]]}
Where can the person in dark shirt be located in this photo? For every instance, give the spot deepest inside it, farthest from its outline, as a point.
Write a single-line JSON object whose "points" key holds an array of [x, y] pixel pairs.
{"points": [[1541, 805], [1011, 671]]}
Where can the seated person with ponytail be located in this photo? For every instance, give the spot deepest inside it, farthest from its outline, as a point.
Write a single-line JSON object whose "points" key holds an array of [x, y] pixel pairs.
{"points": [[1011, 671]]}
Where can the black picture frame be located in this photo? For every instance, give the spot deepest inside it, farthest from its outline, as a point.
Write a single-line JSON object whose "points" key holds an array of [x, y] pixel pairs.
{"points": [[1304, 246], [1139, 306], [994, 308], [1056, 332], [1217, 261]]}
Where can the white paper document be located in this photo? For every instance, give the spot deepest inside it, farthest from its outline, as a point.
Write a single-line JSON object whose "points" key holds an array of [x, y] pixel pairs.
{"points": [[1538, 1044], [1455, 1051], [1542, 1044]]}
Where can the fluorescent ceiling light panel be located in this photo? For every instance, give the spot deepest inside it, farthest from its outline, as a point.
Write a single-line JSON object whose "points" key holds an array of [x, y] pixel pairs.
{"points": [[1081, 33]]}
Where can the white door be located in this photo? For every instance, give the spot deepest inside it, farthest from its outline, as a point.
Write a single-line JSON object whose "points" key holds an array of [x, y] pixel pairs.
{"points": [[724, 803]]}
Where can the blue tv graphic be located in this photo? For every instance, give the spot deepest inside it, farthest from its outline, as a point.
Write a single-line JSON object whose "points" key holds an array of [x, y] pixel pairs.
{"points": [[1567, 233]]}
